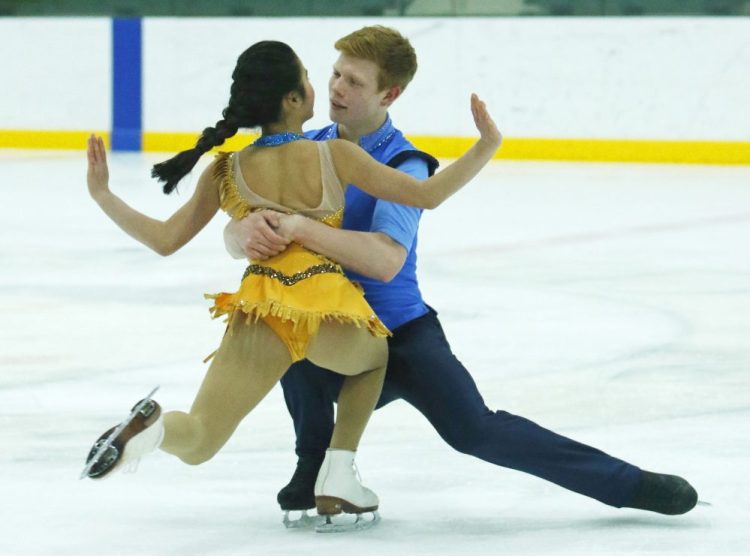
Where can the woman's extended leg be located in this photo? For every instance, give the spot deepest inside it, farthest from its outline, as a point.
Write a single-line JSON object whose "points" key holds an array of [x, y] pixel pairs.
{"points": [[249, 362]]}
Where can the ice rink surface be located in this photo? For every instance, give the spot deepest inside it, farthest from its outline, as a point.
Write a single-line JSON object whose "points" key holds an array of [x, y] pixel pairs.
{"points": [[608, 302]]}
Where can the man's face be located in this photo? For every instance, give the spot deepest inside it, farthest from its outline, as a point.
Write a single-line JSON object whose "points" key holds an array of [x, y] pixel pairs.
{"points": [[354, 98]]}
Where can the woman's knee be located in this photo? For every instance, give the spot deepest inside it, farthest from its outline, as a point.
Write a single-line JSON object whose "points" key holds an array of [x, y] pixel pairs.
{"points": [[198, 457], [203, 449], [206, 442]]}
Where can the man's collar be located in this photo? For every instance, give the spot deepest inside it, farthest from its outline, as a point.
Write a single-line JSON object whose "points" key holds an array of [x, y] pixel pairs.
{"points": [[371, 141]]}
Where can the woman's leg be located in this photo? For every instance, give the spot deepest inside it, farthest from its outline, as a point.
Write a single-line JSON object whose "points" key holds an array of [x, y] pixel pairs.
{"points": [[354, 352], [250, 360]]}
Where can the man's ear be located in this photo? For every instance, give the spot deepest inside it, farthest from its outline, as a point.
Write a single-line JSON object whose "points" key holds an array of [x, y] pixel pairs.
{"points": [[392, 93]]}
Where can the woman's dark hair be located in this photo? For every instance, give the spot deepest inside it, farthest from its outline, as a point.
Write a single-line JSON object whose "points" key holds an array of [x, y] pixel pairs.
{"points": [[264, 73]]}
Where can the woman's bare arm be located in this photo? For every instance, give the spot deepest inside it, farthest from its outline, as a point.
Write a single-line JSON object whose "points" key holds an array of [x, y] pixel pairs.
{"points": [[355, 166], [164, 237]]}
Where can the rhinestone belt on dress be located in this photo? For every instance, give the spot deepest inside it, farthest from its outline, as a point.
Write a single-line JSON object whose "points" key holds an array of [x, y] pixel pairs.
{"points": [[294, 278]]}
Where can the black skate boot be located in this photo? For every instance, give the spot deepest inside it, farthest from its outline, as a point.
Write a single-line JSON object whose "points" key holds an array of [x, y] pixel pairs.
{"points": [[299, 494], [664, 494]]}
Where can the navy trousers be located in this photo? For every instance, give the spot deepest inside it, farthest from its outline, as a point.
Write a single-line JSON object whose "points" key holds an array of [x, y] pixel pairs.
{"points": [[423, 371]]}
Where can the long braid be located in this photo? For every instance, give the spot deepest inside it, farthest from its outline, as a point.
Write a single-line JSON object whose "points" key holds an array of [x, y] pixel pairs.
{"points": [[171, 171]]}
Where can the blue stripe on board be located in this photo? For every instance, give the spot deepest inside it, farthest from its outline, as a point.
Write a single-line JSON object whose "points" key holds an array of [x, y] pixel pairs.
{"points": [[127, 62]]}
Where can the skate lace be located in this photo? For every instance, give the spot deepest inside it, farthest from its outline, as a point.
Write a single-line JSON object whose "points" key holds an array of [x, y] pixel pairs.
{"points": [[356, 472]]}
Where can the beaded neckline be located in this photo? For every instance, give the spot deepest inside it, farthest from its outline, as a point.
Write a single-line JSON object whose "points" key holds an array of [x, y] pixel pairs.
{"points": [[277, 139]]}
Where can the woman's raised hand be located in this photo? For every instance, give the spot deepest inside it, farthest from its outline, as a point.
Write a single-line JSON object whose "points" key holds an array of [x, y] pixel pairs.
{"points": [[97, 176], [482, 119]]}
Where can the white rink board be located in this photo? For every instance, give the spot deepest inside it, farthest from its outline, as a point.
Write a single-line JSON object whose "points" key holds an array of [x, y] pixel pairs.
{"points": [[621, 78], [56, 73], [638, 78]]}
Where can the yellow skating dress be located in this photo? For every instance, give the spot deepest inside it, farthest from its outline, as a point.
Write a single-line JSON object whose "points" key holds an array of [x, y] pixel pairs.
{"points": [[296, 290]]}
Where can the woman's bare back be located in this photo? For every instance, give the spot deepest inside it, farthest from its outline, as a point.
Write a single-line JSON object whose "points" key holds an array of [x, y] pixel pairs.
{"points": [[288, 175]]}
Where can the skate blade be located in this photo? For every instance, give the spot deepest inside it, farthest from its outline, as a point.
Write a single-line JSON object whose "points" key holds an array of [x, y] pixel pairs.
{"points": [[342, 523], [304, 521], [703, 503], [115, 433]]}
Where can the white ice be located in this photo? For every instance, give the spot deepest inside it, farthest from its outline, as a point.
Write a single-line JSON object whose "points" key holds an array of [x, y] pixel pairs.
{"points": [[608, 302]]}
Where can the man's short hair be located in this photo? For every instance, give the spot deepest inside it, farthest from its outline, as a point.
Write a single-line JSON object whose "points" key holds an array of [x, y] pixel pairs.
{"points": [[389, 49]]}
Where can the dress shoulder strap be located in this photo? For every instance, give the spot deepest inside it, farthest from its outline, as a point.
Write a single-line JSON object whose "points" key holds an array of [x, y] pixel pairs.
{"points": [[333, 190]]}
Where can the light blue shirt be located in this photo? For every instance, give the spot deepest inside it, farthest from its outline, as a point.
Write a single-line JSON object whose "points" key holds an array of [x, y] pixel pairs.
{"points": [[398, 301]]}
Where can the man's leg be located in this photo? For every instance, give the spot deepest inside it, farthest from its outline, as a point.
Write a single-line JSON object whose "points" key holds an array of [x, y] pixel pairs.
{"points": [[427, 375], [309, 393]]}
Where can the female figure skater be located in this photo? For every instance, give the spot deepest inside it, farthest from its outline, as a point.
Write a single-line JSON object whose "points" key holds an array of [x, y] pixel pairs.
{"points": [[296, 305]]}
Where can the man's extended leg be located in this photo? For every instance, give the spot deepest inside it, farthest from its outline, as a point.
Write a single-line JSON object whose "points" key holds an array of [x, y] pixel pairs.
{"points": [[426, 374]]}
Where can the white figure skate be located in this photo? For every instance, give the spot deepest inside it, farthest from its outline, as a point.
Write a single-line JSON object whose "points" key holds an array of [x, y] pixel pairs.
{"points": [[338, 490], [140, 433]]}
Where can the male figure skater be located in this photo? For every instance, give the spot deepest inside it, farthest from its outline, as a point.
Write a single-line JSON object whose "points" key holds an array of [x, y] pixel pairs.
{"points": [[377, 246]]}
